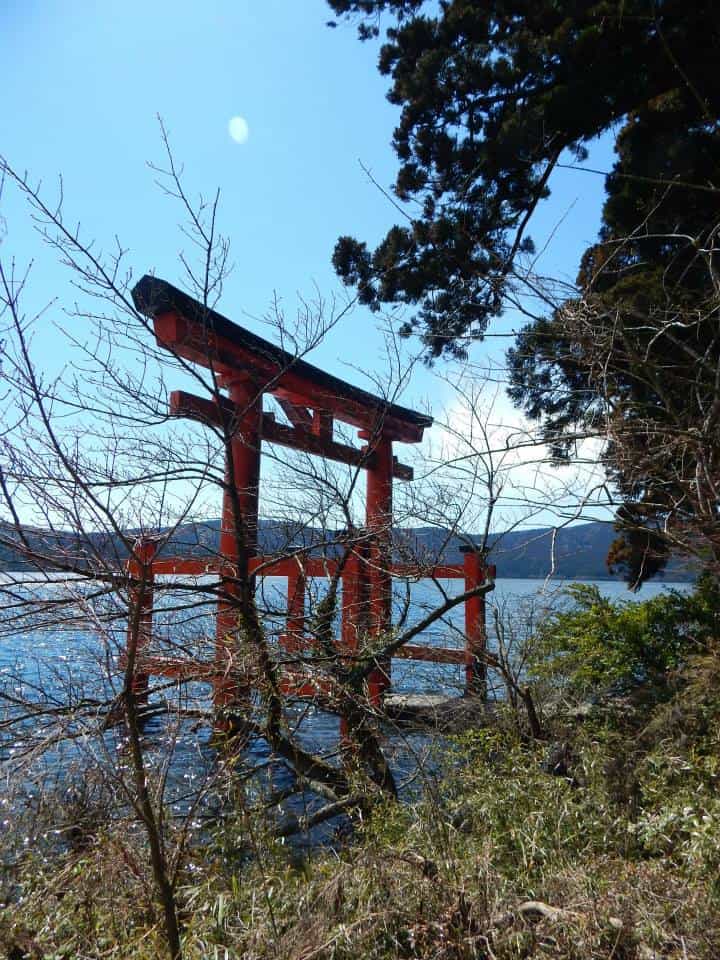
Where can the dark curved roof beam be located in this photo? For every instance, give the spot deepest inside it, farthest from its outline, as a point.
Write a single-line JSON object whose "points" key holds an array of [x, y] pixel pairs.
{"points": [[190, 330]]}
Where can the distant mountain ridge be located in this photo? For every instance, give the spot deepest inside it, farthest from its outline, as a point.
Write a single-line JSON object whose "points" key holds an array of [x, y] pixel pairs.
{"points": [[578, 553], [579, 550]]}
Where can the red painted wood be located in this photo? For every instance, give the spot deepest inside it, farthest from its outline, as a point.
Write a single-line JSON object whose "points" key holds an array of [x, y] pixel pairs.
{"points": [[322, 445], [201, 345], [294, 639], [314, 567], [264, 566], [378, 513], [354, 602], [475, 626], [179, 669], [299, 437], [297, 415], [183, 404], [322, 424], [238, 532], [140, 567], [307, 689], [287, 566]]}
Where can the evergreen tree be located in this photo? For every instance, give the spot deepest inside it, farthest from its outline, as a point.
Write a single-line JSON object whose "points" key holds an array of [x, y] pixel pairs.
{"points": [[492, 95]]}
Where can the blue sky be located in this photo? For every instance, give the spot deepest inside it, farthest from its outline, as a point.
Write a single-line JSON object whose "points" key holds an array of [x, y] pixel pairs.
{"points": [[84, 83]]}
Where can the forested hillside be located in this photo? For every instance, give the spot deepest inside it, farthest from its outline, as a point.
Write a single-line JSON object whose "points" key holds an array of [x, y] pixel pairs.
{"points": [[579, 552]]}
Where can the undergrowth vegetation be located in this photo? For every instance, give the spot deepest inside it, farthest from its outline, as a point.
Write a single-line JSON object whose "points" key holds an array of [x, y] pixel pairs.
{"points": [[602, 841]]}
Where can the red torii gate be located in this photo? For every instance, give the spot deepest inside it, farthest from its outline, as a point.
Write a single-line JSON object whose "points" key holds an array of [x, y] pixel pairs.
{"points": [[247, 366]]}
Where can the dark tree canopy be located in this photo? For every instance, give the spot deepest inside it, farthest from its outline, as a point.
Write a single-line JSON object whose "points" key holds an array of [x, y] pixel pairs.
{"points": [[491, 94], [636, 356]]}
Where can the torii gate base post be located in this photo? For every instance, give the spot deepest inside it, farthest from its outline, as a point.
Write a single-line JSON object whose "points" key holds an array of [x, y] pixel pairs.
{"points": [[476, 574], [354, 615], [294, 638], [237, 546], [140, 612], [379, 523]]}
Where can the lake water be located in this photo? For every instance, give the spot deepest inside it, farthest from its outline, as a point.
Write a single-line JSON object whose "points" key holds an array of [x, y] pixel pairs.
{"points": [[75, 662]]}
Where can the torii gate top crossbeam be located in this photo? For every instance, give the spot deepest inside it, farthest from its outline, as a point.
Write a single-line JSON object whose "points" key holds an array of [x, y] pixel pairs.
{"points": [[200, 335]]}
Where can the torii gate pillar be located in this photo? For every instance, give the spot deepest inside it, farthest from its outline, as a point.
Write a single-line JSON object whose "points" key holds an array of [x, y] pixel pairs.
{"points": [[378, 519], [239, 530]]}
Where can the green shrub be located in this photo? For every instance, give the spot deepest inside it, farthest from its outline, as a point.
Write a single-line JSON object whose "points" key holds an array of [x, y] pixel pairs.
{"points": [[597, 644]]}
